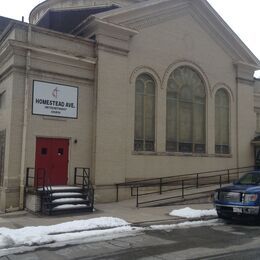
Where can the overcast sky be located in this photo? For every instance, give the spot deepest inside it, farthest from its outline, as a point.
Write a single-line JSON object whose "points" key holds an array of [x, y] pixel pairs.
{"points": [[242, 16]]}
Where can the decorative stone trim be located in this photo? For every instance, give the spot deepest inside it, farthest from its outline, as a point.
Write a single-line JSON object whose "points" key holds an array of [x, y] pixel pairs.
{"points": [[160, 17], [191, 64], [145, 69], [220, 85], [245, 72]]}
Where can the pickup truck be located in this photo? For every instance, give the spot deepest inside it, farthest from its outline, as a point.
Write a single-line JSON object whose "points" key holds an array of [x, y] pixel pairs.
{"points": [[240, 199]]}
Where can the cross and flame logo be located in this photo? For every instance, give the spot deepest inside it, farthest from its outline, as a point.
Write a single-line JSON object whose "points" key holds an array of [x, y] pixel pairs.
{"points": [[55, 92]]}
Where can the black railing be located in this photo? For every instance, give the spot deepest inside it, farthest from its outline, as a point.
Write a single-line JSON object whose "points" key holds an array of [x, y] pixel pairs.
{"points": [[46, 197], [180, 183], [40, 182], [30, 177], [82, 178], [35, 179]]}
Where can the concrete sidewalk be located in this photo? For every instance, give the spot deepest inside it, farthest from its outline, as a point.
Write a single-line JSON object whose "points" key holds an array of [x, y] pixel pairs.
{"points": [[123, 209]]}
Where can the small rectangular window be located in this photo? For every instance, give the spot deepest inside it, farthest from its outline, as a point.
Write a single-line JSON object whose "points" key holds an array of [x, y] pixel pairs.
{"points": [[171, 146], [222, 149], [199, 148], [185, 147], [44, 151], [60, 151]]}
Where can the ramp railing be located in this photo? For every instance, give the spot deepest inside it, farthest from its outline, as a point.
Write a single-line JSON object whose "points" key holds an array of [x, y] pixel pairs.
{"points": [[179, 184]]}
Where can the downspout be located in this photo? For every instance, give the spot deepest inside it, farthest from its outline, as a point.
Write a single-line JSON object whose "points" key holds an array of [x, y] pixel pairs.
{"points": [[237, 135], [25, 119], [94, 118]]}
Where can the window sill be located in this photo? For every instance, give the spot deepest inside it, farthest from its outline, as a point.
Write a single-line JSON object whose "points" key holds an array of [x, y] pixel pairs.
{"points": [[179, 154], [186, 154], [223, 155], [54, 118], [144, 153]]}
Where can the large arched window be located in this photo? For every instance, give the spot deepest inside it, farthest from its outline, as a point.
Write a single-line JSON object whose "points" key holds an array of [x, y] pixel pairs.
{"points": [[144, 113], [186, 98], [222, 122]]}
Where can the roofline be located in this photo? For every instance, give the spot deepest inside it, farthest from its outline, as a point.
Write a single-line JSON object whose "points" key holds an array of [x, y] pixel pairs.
{"points": [[232, 32], [150, 3], [36, 7], [43, 30], [43, 7]]}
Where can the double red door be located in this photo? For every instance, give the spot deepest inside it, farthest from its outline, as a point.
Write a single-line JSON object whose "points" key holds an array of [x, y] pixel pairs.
{"points": [[52, 158]]}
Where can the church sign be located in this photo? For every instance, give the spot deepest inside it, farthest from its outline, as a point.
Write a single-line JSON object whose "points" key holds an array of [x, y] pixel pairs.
{"points": [[50, 99]]}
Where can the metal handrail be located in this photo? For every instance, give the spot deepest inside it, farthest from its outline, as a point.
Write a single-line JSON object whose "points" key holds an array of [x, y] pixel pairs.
{"points": [[161, 181], [28, 177], [220, 181], [169, 198], [40, 174], [129, 183], [84, 174]]}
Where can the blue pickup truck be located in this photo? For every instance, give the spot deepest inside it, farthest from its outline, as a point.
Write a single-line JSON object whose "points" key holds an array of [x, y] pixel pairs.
{"points": [[240, 199]]}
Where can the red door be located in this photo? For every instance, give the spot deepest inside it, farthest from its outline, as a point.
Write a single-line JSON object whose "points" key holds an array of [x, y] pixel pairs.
{"points": [[51, 157]]}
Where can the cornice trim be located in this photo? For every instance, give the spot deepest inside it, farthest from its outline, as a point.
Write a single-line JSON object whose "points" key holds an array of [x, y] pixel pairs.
{"points": [[152, 12], [16, 44], [221, 85], [147, 70]]}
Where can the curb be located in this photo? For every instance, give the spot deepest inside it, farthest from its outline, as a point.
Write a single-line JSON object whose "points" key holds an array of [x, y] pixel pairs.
{"points": [[171, 221]]}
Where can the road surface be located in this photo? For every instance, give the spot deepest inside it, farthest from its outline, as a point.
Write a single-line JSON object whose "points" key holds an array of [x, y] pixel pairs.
{"points": [[221, 241]]}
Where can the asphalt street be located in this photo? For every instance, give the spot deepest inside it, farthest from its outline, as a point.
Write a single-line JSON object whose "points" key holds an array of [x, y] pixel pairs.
{"points": [[221, 241]]}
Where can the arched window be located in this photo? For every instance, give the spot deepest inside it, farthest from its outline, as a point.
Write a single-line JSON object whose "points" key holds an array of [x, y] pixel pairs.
{"points": [[185, 123], [144, 113], [222, 122]]}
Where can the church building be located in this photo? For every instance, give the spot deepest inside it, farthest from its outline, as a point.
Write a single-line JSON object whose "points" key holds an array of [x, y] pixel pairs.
{"points": [[131, 89]]}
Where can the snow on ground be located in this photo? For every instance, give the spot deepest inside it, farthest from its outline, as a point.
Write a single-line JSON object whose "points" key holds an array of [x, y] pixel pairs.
{"points": [[84, 237], [193, 213], [50, 234], [54, 188], [76, 232]]}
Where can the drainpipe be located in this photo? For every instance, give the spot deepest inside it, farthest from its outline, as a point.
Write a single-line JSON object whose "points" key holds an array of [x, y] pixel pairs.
{"points": [[25, 118], [237, 135], [94, 118]]}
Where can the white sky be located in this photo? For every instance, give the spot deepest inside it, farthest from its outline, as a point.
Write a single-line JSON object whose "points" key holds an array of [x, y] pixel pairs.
{"points": [[242, 16]]}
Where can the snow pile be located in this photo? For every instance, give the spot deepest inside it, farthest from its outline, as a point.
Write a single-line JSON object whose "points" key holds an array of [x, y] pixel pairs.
{"points": [[49, 234], [186, 224], [193, 213]]}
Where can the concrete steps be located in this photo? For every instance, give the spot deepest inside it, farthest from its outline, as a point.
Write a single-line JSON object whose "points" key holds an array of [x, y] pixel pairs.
{"points": [[64, 199]]}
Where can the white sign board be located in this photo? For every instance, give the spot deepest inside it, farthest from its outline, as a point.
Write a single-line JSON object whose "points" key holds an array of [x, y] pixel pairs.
{"points": [[51, 99]]}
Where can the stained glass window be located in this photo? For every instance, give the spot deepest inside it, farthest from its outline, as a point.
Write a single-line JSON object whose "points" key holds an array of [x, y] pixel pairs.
{"points": [[222, 122], [144, 113], [185, 119]]}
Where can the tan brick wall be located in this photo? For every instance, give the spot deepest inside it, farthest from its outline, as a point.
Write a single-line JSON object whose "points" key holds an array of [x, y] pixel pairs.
{"points": [[184, 42], [62, 66]]}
